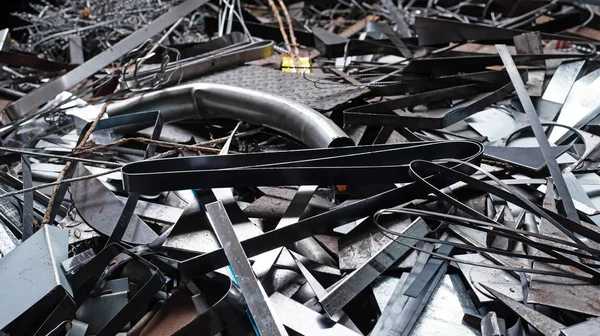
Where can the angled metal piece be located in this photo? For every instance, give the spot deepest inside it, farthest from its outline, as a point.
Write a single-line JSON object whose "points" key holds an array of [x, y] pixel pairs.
{"points": [[72, 264], [78, 328], [398, 300], [25, 105], [538, 131], [491, 325], [265, 318], [99, 310], [541, 322], [33, 281], [405, 312], [356, 281], [394, 38]]}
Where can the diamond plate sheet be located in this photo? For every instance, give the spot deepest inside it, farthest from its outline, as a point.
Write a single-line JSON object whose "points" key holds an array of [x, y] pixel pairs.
{"points": [[288, 85]]}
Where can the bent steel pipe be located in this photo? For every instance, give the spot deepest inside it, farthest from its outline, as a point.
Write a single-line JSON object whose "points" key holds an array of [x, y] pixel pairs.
{"points": [[208, 101]]}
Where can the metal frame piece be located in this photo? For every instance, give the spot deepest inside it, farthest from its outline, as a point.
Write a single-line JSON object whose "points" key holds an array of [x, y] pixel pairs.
{"points": [[208, 101], [360, 278], [25, 105], [267, 321]]}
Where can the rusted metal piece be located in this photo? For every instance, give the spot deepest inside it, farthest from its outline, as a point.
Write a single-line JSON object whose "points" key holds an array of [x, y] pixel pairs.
{"points": [[541, 322]]}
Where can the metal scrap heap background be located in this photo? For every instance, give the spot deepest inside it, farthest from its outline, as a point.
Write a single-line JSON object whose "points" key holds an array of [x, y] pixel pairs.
{"points": [[283, 167]]}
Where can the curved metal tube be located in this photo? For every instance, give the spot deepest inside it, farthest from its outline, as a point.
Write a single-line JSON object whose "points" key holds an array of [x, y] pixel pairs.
{"points": [[207, 101]]}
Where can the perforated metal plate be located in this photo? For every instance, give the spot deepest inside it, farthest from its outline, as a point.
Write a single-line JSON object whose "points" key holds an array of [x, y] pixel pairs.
{"points": [[290, 85]]}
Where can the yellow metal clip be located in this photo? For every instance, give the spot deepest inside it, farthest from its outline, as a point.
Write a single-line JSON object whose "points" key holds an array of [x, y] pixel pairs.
{"points": [[301, 65]]}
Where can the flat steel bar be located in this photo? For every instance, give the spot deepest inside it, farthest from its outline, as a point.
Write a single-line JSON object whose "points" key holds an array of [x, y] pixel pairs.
{"points": [[428, 273], [539, 133], [360, 278], [398, 300], [264, 315], [27, 198], [25, 105]]}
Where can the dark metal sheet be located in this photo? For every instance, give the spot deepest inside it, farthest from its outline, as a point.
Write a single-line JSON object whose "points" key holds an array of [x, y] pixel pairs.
{"points": [[437, 31]]}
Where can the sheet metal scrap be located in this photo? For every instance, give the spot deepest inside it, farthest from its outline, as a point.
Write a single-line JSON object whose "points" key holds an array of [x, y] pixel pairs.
{"points": [[292, 229], [34, 281]]}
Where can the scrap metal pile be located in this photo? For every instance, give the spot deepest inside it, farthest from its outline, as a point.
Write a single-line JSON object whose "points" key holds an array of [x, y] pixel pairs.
{"points": [[421, 167]]}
